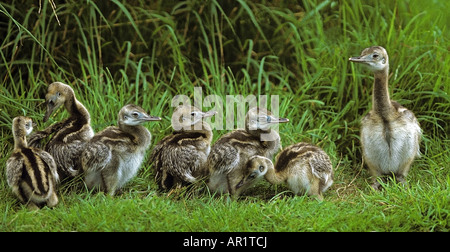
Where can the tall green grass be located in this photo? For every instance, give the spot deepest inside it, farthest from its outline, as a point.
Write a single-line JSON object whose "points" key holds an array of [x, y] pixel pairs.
{"points": [[118, 52]]}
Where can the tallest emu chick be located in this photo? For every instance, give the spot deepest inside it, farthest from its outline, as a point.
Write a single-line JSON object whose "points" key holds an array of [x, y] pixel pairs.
{"points": [[390, 133], [69, 135]]}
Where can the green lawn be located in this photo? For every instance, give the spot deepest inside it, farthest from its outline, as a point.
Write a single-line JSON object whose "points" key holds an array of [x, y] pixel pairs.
{"points": [[118, 52]]}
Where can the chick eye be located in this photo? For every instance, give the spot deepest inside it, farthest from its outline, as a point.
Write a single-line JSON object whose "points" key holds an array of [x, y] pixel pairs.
{"points": [[135, 115], [58, 93], [192, 114], [375, 56], [261, 168]]}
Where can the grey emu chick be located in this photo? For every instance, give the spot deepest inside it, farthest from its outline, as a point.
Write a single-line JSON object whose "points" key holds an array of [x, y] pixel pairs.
{"points": [[70, 135], [232, 151], [114, 155], [179, 158], [304, 168], [390, 133]]}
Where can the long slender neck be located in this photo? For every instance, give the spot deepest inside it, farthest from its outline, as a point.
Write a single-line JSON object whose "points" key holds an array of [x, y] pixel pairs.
{"points": [[75, 108], [207, 131], [141, 134], [380, 98], [256, 132], [273, 177]]}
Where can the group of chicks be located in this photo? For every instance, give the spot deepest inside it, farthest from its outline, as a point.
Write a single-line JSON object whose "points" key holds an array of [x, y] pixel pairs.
{"points": [[112, 157]]}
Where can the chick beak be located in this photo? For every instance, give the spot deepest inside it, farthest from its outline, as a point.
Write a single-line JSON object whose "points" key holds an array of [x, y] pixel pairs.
{"points": [[209, 113], [50, 108], [151, 118], [359, 59], [278, 120]]}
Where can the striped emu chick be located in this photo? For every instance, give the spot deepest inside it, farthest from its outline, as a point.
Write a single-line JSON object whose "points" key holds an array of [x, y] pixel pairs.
{"points": [[230, 154], [304, 168], [390, 133], [179, 158], [31, 172], [114, 155], [70, 135]]}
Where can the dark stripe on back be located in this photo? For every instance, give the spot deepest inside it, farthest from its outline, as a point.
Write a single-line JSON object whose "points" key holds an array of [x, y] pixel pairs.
{"points": [[283, 159], [187, 137], [23, 197], [71, 125], [289, 154], [242, 139], [25, 175], [30, 155], [25, 178], [242, 136], [48, 174], [113, 133]]}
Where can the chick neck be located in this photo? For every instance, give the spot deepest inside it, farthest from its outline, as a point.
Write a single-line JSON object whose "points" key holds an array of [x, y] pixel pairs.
{"points": [[380, 93], [76, 108], [199, 127], [20, 139], [140, 133], [273, 177]]}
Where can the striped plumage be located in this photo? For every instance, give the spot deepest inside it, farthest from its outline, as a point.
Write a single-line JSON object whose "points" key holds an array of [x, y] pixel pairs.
{"points": [[31, 172], [305, 168], [390, 133], [114, 155], [232, 151], [179, 158], [70, 135]]}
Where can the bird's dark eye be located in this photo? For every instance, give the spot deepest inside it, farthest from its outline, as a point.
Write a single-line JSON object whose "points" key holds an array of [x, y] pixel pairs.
{"points": [[135, 114], [192, 114], [58, 93], [261, 168], [375, 56]]}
